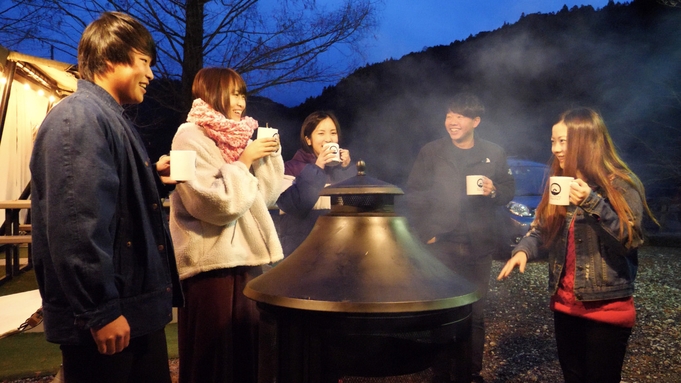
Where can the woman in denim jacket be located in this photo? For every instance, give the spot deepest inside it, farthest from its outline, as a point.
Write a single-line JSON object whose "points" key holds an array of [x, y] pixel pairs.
{"points": [[592, 249]]}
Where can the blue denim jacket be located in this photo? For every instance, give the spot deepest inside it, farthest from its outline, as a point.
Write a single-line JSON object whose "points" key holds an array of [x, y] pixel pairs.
{"points": [[605, 265], [101, 244]]}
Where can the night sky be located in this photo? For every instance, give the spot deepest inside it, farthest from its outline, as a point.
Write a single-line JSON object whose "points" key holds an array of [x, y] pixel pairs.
{"points": [[407, 26]]}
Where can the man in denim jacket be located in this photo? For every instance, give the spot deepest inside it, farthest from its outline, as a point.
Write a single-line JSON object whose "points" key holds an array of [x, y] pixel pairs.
{"points": [[102, 251]]}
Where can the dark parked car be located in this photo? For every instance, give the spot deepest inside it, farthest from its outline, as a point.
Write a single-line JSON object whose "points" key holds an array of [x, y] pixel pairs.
{"points": [[518, 214]]}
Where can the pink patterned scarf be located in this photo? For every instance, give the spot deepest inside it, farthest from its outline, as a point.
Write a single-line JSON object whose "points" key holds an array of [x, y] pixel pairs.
{"points": [[229, 135]]}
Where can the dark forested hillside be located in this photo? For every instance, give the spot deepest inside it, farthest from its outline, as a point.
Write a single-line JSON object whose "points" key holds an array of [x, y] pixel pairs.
{"points": [[623, 60]]}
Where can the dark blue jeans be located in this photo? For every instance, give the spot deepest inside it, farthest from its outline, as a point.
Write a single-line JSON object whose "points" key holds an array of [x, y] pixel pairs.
{"points": [[589, 351]]}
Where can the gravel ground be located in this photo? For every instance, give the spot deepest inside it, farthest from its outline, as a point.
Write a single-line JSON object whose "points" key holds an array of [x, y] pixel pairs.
{"points": [[520, 346]]}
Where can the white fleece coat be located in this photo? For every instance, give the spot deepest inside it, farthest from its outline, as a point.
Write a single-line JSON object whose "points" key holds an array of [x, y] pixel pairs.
{"points": [[220, 219]]}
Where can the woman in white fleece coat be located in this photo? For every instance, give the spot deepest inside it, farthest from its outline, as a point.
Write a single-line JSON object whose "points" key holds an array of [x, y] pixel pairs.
{"points": [[222, 230]]}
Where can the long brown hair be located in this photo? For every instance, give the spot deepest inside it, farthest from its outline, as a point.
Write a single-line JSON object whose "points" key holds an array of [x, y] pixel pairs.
{"points": [[214, 86], [591, 153]]}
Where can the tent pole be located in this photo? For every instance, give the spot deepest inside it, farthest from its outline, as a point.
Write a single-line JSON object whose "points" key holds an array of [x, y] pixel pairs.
{"points": [[10, 68]]}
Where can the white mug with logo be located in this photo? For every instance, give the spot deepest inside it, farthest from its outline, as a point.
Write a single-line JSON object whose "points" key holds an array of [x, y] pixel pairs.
{"points": [[335, 149], [474, 184], [559, 190], [182, 165]]}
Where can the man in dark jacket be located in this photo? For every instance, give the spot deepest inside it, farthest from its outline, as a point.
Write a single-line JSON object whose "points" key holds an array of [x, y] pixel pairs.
{"points": [[459, 229], [102, 250]]}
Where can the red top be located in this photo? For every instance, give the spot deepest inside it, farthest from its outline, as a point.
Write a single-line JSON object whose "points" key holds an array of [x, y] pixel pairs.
{"points": [[618, 312]]}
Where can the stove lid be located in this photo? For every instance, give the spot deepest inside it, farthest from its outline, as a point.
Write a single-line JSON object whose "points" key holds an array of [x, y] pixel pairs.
{"points": [[361, 184], [362, 258]]}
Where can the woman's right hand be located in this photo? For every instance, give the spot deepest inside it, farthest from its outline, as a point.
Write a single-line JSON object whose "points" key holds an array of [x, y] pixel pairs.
{"points": [[325, 157], [258, 149], [519, 259]]}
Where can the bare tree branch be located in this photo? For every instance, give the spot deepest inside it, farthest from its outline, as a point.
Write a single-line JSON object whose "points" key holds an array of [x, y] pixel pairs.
{"points": [[671, 3], [270, 43]]}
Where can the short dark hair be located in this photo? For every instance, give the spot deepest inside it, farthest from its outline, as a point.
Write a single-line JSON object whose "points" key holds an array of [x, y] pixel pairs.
{"points": [[466, 104], [214, 86], [310, 124], [112, 38]]}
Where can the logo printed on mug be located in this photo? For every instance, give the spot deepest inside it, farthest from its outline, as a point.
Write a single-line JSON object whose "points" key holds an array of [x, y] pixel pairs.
{"points": [[559, 189], [555, 189], [474, 184]]}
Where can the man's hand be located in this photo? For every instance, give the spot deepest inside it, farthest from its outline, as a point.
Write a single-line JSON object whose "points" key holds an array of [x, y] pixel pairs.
{"points": [[487, 186], [112, 337], [163, 170]]}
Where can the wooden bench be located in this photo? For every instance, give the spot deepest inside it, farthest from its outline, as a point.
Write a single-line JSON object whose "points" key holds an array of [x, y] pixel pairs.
{"points": [[12, 265], [16, 235], [14, 239]]}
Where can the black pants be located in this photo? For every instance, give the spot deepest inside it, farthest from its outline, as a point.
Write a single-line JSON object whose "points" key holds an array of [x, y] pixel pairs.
{"points": [[590, 351], [475, 268], [144, 360]]}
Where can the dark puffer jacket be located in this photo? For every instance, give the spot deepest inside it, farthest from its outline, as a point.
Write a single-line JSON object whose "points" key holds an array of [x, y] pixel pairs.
{"points": [[298, 201]]}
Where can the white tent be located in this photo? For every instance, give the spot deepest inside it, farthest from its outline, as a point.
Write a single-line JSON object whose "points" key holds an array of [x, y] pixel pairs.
{"points": [[29, 86]]}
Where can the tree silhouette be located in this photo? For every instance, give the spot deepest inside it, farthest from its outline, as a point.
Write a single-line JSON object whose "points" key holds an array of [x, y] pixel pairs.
{"points": [[270, 43], [671, 3]]}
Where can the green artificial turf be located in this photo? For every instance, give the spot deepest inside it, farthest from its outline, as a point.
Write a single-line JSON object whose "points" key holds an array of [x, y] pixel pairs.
{"points": [[26, 355], [29, 354], [25, 281]]}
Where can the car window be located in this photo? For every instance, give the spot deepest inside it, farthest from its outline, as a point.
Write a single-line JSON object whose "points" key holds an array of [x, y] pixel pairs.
{"points": [[529, 180]]}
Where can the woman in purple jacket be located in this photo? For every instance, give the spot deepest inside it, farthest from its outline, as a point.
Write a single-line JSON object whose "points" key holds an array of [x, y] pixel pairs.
{"points": [[313, 167]]}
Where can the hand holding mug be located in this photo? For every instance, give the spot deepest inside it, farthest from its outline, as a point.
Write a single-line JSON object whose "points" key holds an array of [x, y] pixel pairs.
{"points": [[258, 149], [345, 157], [579, 190], [163, 170], [329, 155], [269, 132], [487, 186]]}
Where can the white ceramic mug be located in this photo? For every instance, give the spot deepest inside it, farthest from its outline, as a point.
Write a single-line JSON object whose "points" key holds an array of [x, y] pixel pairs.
{"points": [[474, 184], [335, 149], [182, 165], [559, 190], [269, 132]]}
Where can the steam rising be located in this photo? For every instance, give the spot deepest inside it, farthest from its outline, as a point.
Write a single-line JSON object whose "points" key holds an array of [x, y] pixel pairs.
{"points": [[624, 61]]}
